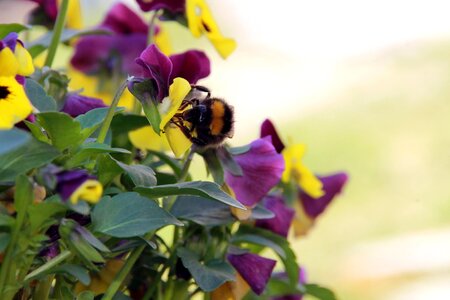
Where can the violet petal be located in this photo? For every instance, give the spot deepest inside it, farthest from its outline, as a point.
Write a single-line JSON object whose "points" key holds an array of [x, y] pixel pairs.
{"points": [[76, 104], [256, 270], [268, 129], [281, 223], [332, 186], [191, 65], [69, 181], [123, 20], [175, 6], [262, 167]]}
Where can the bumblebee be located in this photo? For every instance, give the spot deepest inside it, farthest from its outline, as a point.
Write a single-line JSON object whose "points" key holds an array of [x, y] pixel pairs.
{"points": [[208, 121]]}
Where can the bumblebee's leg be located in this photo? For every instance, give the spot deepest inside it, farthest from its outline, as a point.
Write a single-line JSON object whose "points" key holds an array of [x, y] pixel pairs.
{"points": [[202, 89], [185, 103], [187, 132]]}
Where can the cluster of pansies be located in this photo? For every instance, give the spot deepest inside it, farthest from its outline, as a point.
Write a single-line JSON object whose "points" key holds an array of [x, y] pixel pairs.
{"points": [[95, 158]]}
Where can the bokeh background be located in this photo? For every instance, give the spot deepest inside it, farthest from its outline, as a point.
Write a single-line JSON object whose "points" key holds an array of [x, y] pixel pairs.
{"points": [[366, 85]]}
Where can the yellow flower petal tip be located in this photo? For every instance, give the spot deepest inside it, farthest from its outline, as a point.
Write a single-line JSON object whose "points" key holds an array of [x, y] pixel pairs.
{"points": [[24, 60], [225, 46], [8, 63], [91, 191], [145, 138], [14, 103], [178, 142]]}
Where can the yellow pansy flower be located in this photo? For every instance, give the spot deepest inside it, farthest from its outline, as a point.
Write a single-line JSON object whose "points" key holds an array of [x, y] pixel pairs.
{"points": [[14, 103], [201, 21]]}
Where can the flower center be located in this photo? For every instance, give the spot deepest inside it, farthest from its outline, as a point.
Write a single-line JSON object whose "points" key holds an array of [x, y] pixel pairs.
{"points": [[4, 92]]}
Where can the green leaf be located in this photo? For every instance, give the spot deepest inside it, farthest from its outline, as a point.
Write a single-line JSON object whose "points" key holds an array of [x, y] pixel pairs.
{"points": [[202, 211], [239, 150], [12, 139], [39, 97], [41, 212], [86, 295], [259, 212], [128, 215], [208, 275], [145, 91], [76, 271], [277, 243], [153, 116], [213, 165], [38, 46], [279, 287], [23, 195], [11, 27], [228, 162], [205, 189], [123, 123], [37, 132], [107, 169], [169, 161], [6, 220], [5, 237], [319, 292], [91, 150], [141, 175], [92, 120], [32, 155], [64, 132]]}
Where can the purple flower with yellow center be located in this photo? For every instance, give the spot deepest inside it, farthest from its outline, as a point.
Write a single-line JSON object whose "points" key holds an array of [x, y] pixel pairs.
{"points": [[76, 104], [78, 185], [15, 61], [47, 10], [254, 269], [170, 89], [261, 166], [284, 215]]}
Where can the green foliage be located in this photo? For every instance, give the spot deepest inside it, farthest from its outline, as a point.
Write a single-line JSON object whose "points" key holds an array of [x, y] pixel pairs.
{"points": [[319, 292], [38, 97], [12, 27], [129, 215], [12, 139]]}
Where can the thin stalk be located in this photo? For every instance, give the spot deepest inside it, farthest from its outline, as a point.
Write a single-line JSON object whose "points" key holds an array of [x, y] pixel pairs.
{"points": [[105, 126], [120, 277], [57, 31], [43, 288], [152, 27], [48, 265]]}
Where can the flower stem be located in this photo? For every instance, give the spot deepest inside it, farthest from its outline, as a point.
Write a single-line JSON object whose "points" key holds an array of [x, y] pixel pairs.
{"points": [[57, 31], [152, 27], [105, 126], [120, 277]]}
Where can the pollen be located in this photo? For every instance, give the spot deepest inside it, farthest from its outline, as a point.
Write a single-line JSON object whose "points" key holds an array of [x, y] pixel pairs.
{"points": [[218, 112]]}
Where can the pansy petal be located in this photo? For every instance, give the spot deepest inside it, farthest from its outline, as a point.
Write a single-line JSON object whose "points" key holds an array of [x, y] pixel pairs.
{"points": [[123, 20], [191, 65], [224, 46], [175, 6], [281, 223], [178, 142], [157, 66], [78, 185], [129, 47], [177, 92], [74, 19], [76, 104], [92, 53], [262, 167], [24, 59], [162, 40], [8, 63], [146, 138], [256, 270], [14, 103], [332, 186], [268, 129]]}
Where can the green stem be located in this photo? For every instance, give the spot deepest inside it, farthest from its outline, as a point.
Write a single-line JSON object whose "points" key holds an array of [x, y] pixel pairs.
{"points": [[152, 27], [120, 277], [48, 265], [43, 288], [105, 126], [187, 164], [57, 31]]}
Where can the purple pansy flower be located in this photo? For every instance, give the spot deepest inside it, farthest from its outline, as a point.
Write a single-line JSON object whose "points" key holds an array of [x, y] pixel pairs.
{"points": [[103, 52], [175, 6], [191, 65], [268, 129], [281, 223], [78, 184], [262, 167], [254, 269], [76, 104], [332, 186]]}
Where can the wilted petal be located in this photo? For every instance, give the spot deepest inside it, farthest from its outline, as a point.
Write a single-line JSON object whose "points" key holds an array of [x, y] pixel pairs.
{"points": [[123, 20], [262, 167], [76, 104], [256, 270], [175, 6], [268, 129], [191, 65], [281, 223], [332, 186], [78, 185], [158, 67]]}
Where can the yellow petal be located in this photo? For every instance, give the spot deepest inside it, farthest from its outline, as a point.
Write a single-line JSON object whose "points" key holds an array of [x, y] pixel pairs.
{"points": [[178, 142], [201, 21], [8, 63], [309, 183], [24, 59], [91, 191], [292, 154], [302, 222], [162, 40], [231, 290], [178, 90], [146, 138], [14, 103], [73, 19]]}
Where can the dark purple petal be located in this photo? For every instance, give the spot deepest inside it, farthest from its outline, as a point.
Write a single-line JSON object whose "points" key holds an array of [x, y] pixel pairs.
{"points": [[175, 6], [69, 181], [332, 186], [191, 65], [256, 270], [262, 167], [76, 104], [123, 20], [281, 223], [50, 7], [129, 47], [268, 129], [11, 40], [20, 79], [156, 66], [92, 53]]}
